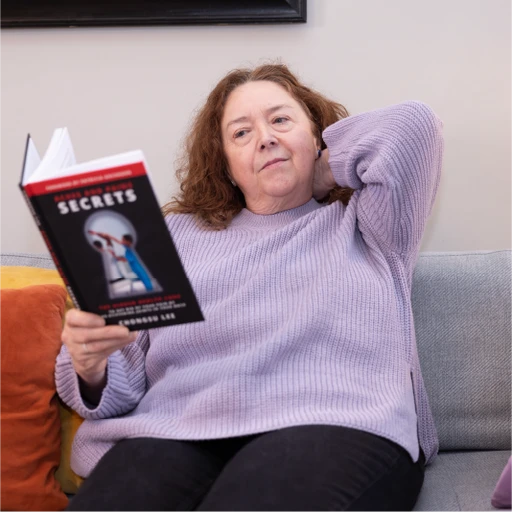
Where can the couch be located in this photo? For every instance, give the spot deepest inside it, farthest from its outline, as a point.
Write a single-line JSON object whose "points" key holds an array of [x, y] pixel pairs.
{"points": [[462, 310]]}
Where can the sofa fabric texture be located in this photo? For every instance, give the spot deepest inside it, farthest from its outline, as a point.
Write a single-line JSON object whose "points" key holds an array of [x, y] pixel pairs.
{"points": [[461, 306]]}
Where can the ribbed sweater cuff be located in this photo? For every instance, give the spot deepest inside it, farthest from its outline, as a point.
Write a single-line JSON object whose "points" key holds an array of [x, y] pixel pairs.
{"points": [[120, 395]]}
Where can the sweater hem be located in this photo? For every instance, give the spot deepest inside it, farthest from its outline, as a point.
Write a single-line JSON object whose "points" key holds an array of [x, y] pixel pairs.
{"points": [[83, 469]]}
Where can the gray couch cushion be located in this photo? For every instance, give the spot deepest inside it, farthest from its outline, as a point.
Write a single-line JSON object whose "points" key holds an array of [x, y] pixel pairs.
{"points": [[15, 259], [461, 304], [461, 481]]}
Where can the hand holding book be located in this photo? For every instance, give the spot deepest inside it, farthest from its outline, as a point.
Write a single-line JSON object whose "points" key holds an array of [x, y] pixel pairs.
{"points": [[89, 343]]}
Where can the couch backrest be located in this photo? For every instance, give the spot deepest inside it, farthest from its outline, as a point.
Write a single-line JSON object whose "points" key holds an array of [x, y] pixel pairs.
{"points": [[20, 259], [462, 311]]}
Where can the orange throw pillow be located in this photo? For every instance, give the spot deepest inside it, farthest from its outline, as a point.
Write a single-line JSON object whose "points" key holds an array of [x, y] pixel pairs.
{"points": [[31, 323]]}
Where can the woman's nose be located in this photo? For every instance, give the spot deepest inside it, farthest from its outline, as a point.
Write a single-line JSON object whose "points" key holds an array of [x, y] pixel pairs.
{"points": [[267, 139]]}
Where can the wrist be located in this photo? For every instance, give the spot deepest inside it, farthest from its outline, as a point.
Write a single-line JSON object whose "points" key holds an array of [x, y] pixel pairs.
{"points": [[92, 386], [329, 179], [324, 180], [93, 377]]}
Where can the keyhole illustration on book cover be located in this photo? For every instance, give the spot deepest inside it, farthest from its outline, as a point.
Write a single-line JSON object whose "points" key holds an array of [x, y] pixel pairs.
{"points": [[114, 238]]}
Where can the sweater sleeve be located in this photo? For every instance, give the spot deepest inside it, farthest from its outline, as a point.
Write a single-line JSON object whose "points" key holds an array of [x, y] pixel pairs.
{"points": [[126, 381], [394, 156]]}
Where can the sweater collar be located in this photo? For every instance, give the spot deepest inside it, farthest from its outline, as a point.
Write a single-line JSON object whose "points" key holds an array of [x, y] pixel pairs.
{"points": [[248, 219]]}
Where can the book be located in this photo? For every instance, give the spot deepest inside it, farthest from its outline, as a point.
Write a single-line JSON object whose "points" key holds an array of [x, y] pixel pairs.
{"points": [[106, 234]]}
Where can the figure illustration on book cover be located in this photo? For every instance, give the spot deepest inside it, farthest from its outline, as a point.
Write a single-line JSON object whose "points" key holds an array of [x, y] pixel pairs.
{"points": [[113, 236]]}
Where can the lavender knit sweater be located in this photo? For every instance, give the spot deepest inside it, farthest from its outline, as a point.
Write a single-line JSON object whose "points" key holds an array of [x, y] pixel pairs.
{"points": [[308, 314]]}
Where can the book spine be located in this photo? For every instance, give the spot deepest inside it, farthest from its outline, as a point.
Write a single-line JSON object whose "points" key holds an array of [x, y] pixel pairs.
{"points": [[44, 232]]}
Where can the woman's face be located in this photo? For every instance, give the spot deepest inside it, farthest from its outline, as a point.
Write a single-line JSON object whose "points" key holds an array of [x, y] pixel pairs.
{"points": [[270, 147]]}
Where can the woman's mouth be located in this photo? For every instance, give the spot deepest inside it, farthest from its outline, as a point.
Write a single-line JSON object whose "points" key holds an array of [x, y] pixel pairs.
{"points": [[274, 163]]}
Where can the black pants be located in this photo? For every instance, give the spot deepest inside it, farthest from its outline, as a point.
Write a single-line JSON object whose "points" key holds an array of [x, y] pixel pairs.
{"points": [[312, 467]]}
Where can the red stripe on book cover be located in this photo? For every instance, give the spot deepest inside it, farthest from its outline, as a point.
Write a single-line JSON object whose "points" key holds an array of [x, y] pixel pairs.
{"points": [[86, 179]]}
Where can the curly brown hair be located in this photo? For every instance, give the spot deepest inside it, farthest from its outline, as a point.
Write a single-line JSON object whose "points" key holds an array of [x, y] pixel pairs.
{"points": [[206, 190]]}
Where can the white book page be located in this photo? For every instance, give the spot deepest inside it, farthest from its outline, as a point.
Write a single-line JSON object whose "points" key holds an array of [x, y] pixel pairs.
{"points": [[59, 160], [32, 160], [58, 156], [105, 163]]}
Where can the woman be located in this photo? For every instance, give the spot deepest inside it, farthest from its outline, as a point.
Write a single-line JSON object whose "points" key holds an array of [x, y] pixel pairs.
{"points": [[302, 389]]}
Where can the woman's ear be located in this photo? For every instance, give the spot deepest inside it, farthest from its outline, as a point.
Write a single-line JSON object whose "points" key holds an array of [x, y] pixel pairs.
{"points": [[318, 143], [318, 149], [228, 174]]}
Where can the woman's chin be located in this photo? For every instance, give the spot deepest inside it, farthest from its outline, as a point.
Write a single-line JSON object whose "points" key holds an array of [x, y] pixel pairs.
{"points": [[282, 186]]}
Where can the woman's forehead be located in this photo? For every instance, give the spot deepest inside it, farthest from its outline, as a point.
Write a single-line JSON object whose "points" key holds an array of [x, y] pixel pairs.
{"points": [[258, 90], [258, 95]]}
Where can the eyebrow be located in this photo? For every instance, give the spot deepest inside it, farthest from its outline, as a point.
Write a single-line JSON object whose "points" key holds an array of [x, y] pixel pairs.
{"points": [[270, 110]]}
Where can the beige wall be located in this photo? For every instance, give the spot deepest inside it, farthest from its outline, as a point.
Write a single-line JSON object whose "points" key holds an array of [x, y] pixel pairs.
{"points": [[118, 89]]}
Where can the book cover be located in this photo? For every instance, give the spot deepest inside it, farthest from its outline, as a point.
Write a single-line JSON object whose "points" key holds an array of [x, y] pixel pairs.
{"points": [[110, 243]]}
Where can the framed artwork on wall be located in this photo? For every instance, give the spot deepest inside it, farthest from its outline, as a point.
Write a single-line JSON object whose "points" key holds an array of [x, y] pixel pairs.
{"points": [[77, 13]]}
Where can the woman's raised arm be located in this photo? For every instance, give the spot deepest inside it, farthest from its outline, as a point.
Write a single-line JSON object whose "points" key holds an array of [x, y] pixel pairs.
{"points": [[394, 156]]}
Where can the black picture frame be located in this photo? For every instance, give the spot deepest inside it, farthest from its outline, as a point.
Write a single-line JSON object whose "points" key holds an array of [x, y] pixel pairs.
{"points": [[81, 13]]}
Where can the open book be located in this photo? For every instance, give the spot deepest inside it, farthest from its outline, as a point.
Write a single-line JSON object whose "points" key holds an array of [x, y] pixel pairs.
{"points": [[104, 229]]}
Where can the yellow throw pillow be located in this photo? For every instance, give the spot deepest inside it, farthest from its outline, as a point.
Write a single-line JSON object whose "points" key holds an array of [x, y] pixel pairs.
{"points": [[21, 277], [69, 423]]}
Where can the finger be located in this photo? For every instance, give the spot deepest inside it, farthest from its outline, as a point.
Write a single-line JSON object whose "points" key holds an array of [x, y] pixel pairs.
{"points": [[75, 317], [106, 345], [71, 335], [107, 336], [94, 349]]}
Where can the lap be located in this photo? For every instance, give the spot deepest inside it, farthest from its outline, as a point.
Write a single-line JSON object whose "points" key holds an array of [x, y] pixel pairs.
{"points": [[311, 467], [317, 467], [149, 474]]}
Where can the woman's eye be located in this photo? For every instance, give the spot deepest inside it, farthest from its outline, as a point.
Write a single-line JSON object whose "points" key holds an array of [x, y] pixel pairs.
{"points": [[280, 120], [240, 133]]}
